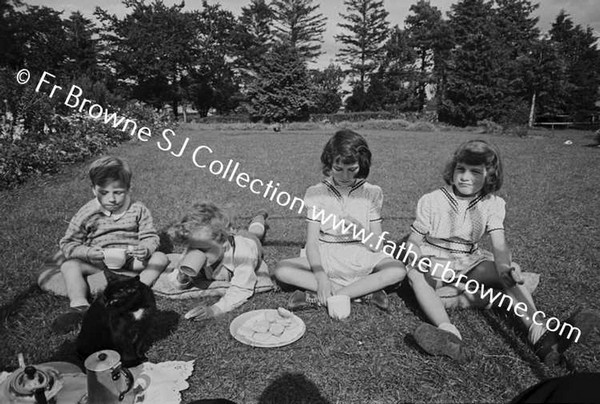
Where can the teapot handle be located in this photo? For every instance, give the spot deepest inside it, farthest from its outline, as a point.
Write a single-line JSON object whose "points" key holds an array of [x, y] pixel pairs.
{"points": [[128, 376], [40, 396]]}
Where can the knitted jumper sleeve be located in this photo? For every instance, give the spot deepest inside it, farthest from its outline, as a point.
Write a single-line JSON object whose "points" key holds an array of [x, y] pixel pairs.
{"points": [[147, 233], [73, 244]]}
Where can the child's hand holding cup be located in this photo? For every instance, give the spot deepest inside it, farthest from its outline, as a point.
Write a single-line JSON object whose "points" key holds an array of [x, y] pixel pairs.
{"points": [[338, 307]]}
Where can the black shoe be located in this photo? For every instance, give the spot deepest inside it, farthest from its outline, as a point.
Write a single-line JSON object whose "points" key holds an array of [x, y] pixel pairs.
{"points": [[378, 299], [300, 300], [69, 320], [436, 341], [552, 344]]}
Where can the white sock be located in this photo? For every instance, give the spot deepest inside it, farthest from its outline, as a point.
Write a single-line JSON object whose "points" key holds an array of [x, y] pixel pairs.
{"points": [[450, 328], [78, 301], [260, 228], [535, 332]]}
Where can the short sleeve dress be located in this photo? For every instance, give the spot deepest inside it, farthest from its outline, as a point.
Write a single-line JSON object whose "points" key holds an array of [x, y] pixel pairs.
{"points": [[344, 256], [452, 226]]}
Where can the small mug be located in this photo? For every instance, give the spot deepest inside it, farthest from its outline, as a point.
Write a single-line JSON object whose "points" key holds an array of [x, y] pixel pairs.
{"points": [[115, 258], [338, 306]]}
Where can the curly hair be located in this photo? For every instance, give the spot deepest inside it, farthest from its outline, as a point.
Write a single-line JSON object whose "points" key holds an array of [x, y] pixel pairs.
{"points": [[203, 216], [478, 152], [109, 168], [347, 147]]}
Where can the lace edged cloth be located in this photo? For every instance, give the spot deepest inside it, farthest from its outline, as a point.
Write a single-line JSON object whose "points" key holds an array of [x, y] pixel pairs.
{"points": [[160, 383]]}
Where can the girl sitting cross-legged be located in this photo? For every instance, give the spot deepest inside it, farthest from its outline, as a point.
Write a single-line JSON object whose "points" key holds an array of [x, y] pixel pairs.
{"points": [[336, 263]]}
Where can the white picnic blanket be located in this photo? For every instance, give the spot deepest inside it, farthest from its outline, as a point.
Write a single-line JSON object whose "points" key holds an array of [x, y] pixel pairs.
{"points": [[154, 383], [50, 279]]}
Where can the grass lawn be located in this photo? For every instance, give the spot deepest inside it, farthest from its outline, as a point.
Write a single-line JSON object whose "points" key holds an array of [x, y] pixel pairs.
{"points": [[553, 227]]}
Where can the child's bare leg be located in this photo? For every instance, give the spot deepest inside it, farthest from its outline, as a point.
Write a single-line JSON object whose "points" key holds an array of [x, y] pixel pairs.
{"points": [[486, 274], [387, 272], [258, 225], [296, 272], [429, 301], [155, 266], [74, 272], [441, 338]]}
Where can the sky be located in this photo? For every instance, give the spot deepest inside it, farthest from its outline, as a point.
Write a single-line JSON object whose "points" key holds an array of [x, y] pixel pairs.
{"points": [[583, 12]]}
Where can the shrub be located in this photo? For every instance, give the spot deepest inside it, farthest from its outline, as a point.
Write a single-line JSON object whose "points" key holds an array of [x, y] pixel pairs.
{"points": [[489, 126]]}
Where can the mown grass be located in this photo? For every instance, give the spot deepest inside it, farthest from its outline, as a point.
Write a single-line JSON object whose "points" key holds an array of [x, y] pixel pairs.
{"points": [[552, 225]]}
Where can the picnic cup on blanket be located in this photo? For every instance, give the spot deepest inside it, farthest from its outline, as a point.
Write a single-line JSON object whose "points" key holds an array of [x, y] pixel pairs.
{"points": [[107, 381], [338, 306], [115, 258]]}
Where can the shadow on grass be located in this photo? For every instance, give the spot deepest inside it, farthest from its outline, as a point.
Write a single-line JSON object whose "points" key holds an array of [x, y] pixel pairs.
{"points": [[19, 301], [503, 324], [165, 324], [292, 388]]}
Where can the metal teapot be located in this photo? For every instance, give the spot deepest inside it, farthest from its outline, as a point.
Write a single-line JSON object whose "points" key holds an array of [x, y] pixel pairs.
{"points": [[107, 381], [31, 384]]}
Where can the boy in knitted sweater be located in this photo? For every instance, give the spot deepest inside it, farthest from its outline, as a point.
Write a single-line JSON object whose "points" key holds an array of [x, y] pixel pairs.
{"points": [[110, 220]]}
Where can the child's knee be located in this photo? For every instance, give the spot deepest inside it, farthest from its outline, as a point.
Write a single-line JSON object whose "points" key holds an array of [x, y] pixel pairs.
{"points": [[398, 274], [393, 273], [415, 277], [70, 267], [282, 271], [160, 258]]}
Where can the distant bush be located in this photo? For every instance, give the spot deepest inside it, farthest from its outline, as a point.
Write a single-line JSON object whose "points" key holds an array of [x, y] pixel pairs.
{"points": [[231, 118], [375, 115], [422, 126], [35, 140], [489, 126]]}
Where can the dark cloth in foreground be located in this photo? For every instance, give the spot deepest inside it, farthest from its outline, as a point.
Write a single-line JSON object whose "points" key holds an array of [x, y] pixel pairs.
{"points": [[576, 388]]}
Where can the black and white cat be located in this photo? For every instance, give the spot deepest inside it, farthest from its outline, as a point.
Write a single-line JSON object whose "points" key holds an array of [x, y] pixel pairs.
{"points": [[119, 319]]}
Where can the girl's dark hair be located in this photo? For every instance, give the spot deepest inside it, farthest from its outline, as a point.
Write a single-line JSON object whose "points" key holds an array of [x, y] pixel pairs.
{"points": [[110, 168], [478, 152], [347, 147]]}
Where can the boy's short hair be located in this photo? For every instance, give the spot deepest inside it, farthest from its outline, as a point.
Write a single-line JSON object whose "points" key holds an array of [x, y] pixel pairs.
{"points": [[478, 152], [204, 215], [347, 147], [110, 168]]}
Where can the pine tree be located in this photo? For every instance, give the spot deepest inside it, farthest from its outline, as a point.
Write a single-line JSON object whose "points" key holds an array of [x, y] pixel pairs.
{"points": [[299, 24], [582, 58], [81, 46], [392, 86], [362, 48], [423, 34], [281, 91], [471, 71], [253, 35], [517, 37]]}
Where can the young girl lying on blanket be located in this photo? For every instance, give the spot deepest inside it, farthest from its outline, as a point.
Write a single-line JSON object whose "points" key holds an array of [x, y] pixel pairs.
{"points": [[213, 252], [450, 222]]}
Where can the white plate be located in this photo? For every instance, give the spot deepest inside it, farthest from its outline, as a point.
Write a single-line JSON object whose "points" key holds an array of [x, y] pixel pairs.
{"points": [[241, 329]]}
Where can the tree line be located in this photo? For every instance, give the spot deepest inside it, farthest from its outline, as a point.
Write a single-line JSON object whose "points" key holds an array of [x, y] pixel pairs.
{"points": [[486, 59]]}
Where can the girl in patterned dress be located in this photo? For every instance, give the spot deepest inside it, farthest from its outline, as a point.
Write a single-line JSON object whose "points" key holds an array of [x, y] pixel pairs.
{"points": [[337, 262], [450, 222]]}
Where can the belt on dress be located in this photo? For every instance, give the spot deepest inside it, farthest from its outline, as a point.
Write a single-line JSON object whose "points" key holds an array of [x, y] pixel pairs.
{"points": [[452, 246], [342, 238]]}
